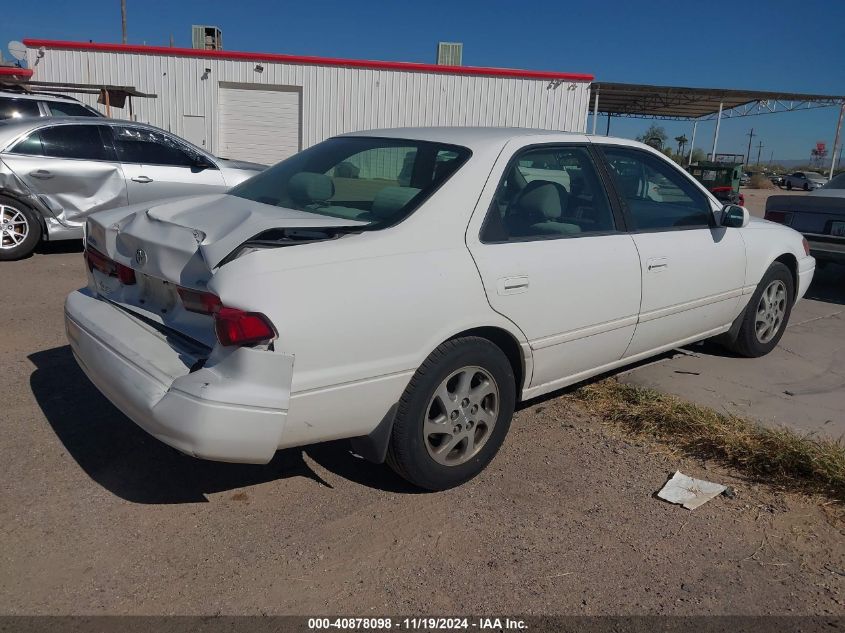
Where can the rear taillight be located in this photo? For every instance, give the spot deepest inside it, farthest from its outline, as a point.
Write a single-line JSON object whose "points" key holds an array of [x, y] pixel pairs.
{"points": [[109, 267], [781, 217], [236, 327], [198, 301], [806, 246], [232, 326]]}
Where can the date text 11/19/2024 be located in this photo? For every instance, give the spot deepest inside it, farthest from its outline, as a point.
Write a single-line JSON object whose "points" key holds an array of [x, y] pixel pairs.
{"points": [[417, 624]]}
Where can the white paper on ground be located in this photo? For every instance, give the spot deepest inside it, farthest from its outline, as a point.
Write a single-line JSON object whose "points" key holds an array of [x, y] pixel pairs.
{"points": [[688, 492]]}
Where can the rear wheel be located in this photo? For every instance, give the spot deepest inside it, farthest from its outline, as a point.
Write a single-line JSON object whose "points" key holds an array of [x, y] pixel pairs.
{"points": [[789, 185], [454, 414], [806, 186], [767, 313], [20, 230]]}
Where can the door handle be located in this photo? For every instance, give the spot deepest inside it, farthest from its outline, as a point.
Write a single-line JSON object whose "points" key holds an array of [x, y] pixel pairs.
{"points": [[657, 264], [142, 179], [42, 174], [512, 285]]}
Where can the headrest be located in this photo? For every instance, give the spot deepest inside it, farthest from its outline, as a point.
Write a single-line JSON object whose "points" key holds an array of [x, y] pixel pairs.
{"points": [[390, 200], [307, 187], [543, 197]]}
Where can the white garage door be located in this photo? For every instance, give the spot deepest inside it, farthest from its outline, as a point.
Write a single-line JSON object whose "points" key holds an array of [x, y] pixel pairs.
{"points": [[258, 125]]}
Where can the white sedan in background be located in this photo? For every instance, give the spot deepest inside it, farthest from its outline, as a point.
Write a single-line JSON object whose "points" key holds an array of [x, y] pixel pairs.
{"points": [[406, 288], [806, 180]]}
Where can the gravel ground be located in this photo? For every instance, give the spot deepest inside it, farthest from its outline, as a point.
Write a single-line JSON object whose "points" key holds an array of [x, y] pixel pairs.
{"points": [[98, 518]]}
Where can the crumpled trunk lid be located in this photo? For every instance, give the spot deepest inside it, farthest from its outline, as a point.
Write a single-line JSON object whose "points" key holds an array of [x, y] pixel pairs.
{"points": [[180, 243]]}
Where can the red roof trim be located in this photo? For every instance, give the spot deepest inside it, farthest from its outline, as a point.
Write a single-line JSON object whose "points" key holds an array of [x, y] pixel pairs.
{"points": [[14, 71], [307, 59]]}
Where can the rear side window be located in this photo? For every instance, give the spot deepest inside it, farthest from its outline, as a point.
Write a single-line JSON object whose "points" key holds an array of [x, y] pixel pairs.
{"points": [[61, 108], [658, 196], [549, 192], [373, 180], [75, 141], [11, 108], [148, 147], [31, 146]]}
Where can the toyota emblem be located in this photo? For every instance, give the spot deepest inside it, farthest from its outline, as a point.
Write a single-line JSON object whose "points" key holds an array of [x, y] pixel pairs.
{"points": [[140, 257]]}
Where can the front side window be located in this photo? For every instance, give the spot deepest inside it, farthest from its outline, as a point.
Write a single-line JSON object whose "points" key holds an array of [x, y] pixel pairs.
{"points": [[374, 180], [11, 108], [148, 147], [30, 146], [75, 141], [62, 108], [548, 192], [658, 195]]}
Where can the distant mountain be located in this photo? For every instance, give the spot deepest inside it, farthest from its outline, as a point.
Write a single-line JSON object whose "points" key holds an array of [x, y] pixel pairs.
{"points": [[796, 162]]}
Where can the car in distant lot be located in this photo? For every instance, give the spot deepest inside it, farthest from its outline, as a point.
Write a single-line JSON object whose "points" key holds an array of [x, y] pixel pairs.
{"points": [[405, 288], [819, 216], [745, 178], [28, 105], [806, 180], [54, 172], [835, 188]]}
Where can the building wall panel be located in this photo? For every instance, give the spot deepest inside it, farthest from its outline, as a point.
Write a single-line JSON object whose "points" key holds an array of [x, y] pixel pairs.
{"points": [[334, 99]]}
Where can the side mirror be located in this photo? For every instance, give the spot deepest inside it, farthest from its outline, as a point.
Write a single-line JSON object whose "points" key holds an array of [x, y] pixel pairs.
{"points": [[735, 216], [201, 162]]}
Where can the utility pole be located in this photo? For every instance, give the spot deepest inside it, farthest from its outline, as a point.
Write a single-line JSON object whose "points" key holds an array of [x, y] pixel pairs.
{"points": [[123, 19], [750, 136], [759, 149]]}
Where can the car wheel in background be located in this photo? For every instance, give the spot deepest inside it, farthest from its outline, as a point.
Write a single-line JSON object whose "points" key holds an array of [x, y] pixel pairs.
{"points": [[806, 186], [789, 185], [20, 229], [454, 414], [767, 313]]}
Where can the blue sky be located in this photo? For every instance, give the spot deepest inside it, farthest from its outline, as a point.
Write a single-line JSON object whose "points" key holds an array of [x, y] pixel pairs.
{"points": [[752, 45]]}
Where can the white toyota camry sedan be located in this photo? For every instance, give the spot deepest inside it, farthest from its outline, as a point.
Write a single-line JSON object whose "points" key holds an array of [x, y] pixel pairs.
{"points": [[406, 288]]}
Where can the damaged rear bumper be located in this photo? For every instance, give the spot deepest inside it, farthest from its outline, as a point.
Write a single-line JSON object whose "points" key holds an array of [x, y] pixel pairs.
{"points": [[233, 409]]}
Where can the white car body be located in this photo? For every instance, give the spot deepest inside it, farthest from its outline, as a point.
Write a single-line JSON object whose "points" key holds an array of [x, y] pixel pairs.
{"points": [[357, 315]]}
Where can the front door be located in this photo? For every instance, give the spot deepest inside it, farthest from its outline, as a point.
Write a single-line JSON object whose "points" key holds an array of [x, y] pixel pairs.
{"points": [[159, 166], [555, 260], [692, 271]]}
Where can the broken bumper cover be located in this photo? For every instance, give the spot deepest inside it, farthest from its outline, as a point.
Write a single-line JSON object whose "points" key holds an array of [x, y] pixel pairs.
{"points": [[233, 409]]}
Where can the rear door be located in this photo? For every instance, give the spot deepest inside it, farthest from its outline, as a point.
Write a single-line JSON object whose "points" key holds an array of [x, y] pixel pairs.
{"points": [[555, 259], [71, 167], [157, 165], [693, 271]]}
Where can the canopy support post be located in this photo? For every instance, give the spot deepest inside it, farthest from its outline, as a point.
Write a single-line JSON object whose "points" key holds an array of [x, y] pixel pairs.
{"points": [[692, 142], [595, 110], [716, 133], [835, 152]]}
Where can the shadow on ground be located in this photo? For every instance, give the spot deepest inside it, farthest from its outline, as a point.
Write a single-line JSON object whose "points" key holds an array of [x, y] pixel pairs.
{"points": [[61, 246], [828, 284], [131, 464]]}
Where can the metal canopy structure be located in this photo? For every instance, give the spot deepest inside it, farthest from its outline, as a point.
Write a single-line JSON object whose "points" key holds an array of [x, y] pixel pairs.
{"points": [[677, 103]]}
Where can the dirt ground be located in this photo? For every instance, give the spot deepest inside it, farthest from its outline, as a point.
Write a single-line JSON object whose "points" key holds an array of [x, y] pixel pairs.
{"points": [[96, 517]]}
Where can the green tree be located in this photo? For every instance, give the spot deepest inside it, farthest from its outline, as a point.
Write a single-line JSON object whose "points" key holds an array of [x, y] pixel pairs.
{"points": [[655, 136], [698, 155]]}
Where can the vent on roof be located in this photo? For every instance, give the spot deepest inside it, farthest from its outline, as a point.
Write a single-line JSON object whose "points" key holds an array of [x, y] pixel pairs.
{"points": [[208, 38], [450, 53]]}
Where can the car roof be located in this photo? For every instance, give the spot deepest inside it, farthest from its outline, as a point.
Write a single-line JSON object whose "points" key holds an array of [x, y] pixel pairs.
{"points": [[37, 96], [478, 137]]}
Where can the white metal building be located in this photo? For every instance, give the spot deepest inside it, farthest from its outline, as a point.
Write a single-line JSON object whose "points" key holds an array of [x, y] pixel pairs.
{"points": [[264, 107]]}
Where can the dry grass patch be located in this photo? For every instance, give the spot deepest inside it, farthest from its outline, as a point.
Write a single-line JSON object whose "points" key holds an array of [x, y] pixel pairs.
{"points": [[759, 181], [775, 456]]}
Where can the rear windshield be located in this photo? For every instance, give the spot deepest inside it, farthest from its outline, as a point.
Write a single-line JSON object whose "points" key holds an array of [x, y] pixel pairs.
{"points": [[814, 174], [374, 180]]}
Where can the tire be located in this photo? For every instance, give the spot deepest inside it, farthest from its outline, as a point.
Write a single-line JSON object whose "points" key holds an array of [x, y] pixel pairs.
{"points": [[806, 187], [468, 386], [789, 185], [20, 230], [749, 341]]}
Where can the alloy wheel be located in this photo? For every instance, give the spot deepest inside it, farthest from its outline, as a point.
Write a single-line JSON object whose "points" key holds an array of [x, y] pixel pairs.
{"points": [[461, 415], [771, 311], [14, 227]]}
